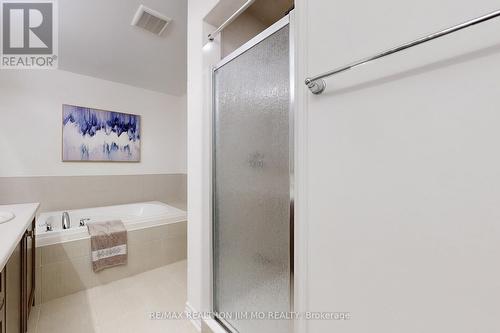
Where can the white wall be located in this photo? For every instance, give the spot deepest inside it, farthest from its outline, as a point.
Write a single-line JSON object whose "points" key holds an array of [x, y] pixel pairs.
{"points": [[403, 169], [31, 111], [198, 106]]}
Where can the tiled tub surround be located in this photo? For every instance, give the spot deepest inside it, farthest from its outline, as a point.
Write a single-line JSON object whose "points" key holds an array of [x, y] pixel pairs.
{"points": [[74, 192], [65, 268]]}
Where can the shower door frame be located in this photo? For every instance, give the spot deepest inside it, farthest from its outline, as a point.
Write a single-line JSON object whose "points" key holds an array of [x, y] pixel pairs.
{"points": [[286, 20]]}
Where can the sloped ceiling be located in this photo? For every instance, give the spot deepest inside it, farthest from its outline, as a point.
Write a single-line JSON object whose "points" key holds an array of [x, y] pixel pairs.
{"points": [[97, 39]]}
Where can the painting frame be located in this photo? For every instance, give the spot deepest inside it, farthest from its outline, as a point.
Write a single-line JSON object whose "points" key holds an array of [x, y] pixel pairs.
{"points": [[63, 160]]}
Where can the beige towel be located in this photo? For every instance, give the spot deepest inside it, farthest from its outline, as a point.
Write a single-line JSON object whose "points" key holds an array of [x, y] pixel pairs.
{"points": [[108, 242]]}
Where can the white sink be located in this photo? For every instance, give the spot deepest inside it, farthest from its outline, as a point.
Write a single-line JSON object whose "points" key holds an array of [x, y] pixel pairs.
{"points": [[6, 216]]}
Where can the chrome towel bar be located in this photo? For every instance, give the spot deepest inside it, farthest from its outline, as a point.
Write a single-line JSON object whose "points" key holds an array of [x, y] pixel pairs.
{"points": [[317, 85]]}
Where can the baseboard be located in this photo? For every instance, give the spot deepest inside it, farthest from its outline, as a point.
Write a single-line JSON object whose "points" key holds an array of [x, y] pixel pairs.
{"points": [[212, 326], [196, 322]]}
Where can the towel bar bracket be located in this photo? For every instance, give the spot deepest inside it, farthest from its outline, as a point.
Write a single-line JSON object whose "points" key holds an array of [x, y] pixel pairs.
{"points": [[316, 87]]}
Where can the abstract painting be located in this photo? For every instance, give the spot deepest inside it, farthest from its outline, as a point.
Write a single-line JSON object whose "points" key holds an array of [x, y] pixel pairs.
{"points": [[97, 135]]}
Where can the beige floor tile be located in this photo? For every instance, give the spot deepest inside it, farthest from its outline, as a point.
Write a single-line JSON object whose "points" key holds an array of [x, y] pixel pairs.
{"points": [[134, 324], [178, 272], [120, 306], [71, 313]]}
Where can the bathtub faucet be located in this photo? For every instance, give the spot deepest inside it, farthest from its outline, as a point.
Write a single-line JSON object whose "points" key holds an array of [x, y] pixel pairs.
{"points": [[66, 222], [83, 221]]}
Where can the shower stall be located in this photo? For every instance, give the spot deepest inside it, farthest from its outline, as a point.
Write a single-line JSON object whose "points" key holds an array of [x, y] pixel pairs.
{"points": [[253, 183]]}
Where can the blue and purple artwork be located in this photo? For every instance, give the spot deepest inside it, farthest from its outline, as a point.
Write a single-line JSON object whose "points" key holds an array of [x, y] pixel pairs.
{"points": [[97, 135]]}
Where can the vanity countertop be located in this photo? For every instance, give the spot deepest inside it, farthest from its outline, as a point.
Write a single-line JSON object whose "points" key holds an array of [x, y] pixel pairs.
{"points": [[12, 232]]}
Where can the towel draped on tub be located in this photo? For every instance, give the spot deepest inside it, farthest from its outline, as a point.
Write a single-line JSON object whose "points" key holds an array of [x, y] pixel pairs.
{"points": [[108, 242]]}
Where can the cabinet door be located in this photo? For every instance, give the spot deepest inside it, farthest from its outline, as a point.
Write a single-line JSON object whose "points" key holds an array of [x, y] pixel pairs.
{"points": [[13, 292], [2, 302], [30, 269]]}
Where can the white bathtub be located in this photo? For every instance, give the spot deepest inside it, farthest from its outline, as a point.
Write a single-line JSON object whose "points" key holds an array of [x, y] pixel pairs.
{"points": [[135, 216]]}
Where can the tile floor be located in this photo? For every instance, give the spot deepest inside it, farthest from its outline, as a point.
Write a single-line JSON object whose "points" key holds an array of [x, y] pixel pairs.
{"points": [[121, 306]]}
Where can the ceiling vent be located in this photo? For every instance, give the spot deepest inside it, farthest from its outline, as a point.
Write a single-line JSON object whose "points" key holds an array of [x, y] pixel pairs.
{"points": [[150, 20]]}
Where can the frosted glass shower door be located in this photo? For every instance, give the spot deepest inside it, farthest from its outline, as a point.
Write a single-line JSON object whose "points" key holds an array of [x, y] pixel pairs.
{"points": [[252, 177]]}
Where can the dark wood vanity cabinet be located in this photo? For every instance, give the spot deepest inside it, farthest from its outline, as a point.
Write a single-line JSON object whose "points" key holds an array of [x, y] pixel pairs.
{"points": [[28, 257], [2, 302], [20, 284], [13, 292]]}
